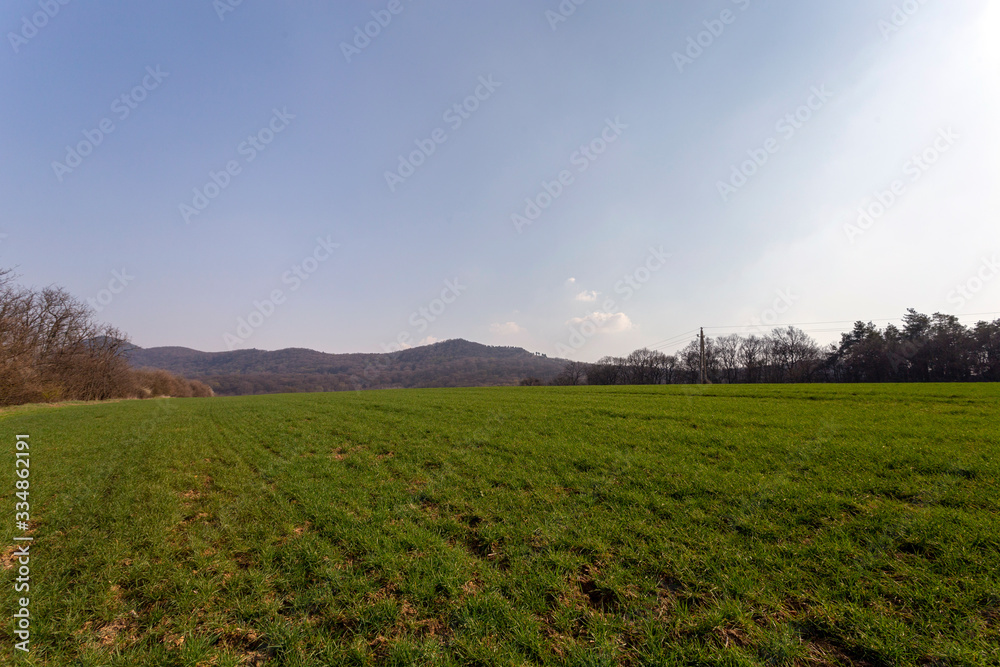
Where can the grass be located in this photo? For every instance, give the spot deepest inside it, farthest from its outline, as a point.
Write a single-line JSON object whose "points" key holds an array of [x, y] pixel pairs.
{"points": [[767, 525]]}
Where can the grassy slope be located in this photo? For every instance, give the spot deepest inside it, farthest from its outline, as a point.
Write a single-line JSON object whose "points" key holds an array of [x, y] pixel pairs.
{"points": [[584, 526]]}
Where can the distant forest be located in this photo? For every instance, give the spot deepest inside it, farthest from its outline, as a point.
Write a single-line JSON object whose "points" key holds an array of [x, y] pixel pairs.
{"points": [[928, 348], [452, 363]]}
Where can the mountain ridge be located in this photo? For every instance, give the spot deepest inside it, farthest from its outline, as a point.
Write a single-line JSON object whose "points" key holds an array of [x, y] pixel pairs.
{"points": [[451, 363]]}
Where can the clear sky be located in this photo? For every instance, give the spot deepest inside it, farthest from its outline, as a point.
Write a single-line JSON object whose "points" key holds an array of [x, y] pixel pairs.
{"points": [[628, 171]]}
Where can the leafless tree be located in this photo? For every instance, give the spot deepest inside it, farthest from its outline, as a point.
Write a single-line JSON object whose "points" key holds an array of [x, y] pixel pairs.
{"points": [[690, 360], [728, 348], [668, 368], [751, 357], [644, 366], [573, 374], [607, 370]]}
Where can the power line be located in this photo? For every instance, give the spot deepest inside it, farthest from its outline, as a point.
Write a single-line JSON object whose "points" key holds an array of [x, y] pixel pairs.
{"points": [[674, 338]]}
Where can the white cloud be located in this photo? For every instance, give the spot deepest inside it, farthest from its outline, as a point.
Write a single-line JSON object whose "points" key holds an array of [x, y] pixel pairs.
{"points": [[429, 340], [606, 322], [570, 282], [587, 296], [506, 329]]}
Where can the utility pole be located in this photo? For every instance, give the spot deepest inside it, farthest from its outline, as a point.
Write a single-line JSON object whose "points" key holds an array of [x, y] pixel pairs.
{"points": [[702, 365]]}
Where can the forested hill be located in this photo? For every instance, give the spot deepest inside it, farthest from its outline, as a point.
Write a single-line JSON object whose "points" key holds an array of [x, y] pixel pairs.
{"points": [[452, 363]]}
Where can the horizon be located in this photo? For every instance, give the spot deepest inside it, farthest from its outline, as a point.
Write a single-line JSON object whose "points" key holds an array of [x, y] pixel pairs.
{"points": [[353, 179], [669, 348]]}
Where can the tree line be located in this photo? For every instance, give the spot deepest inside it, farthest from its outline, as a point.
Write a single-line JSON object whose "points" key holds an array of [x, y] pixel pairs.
{"points": [[53, 349], [927, 348]]}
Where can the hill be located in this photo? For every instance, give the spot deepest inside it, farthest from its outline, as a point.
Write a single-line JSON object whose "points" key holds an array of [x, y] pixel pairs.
{"points": [[451, 363]]}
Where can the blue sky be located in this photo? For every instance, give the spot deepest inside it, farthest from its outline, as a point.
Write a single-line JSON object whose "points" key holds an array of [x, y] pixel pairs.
{"points": [[648, 236]]}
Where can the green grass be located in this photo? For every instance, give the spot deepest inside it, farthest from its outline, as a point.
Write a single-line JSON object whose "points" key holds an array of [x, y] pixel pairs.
{"points": [[741, 525]]}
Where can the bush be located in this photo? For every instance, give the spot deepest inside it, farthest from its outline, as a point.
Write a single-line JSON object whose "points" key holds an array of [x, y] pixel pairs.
{"points": [[155, 383]]}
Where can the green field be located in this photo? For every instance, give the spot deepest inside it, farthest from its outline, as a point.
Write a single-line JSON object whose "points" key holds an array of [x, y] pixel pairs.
{"points": [[682, 525]]}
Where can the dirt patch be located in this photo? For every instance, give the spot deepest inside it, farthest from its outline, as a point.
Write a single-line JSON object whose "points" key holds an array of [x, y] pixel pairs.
{"points": [[191, 519], [341, 453], [825, 654], [241, 640], [429, 627], [409, 625], [472, 587], [297, 531], [109, 634], [478, 547], [671, 591], [670, 585], [7, 559], [732, 637], [601, 598], [121, 630]]}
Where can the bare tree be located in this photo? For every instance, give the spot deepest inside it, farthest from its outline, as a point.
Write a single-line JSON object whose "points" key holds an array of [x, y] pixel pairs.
{"points": [[607, 370], [690, 361], [668, 368], [751, 356], [644, 367], [573, 374], [802, 354], [728, 348]]}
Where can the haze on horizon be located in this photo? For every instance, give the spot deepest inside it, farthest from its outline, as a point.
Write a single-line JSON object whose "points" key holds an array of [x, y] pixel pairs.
{"points": [[503, 173]]}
